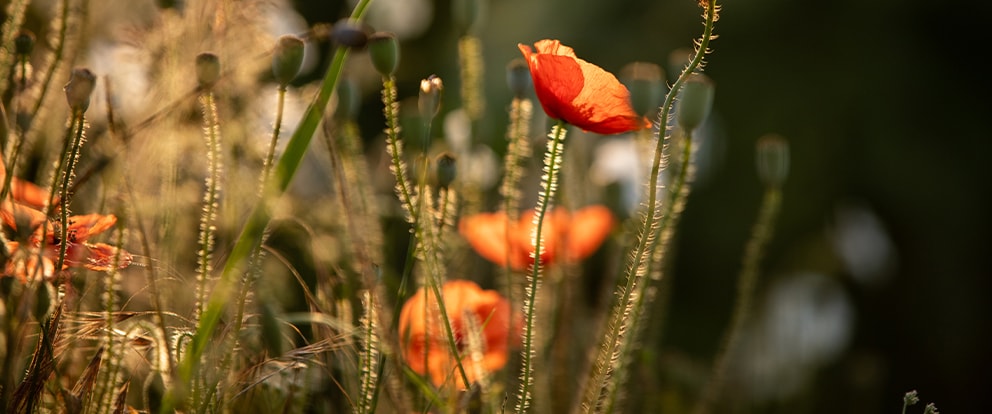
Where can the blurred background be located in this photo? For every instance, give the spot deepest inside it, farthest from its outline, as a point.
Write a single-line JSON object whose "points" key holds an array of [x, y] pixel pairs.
{"points": [[877, 277]]}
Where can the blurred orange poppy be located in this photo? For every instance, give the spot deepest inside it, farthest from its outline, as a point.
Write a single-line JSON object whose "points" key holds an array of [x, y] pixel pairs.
{"points": [[578, 92], [572, 236], [23, 264], [21, 213], [425, 344]]}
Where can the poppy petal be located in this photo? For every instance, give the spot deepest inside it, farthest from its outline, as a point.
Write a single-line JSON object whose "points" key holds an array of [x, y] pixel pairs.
{"points": [[486, 232], [579, 92], [101, 257], [589, 228]]}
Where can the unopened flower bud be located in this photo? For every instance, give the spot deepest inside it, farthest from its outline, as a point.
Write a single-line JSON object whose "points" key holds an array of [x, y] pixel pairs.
{"points": [[349, 33], [79, 89], [696, 101], [772, 157], [518, 78], [24, 43], [207, 69], [445, 169], [645, 82], [384, 51], [430, 97], [287, 59], [466, 14]]}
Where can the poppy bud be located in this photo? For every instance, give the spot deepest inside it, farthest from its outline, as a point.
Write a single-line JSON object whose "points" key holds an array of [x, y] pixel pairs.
{"points": [[696, 101], [287, 59], [644, 81], [466, 14], [518, 77], [445, 169], [430, 97], [79, 88], [207, 69], [384, 50], [772, 159], [349, 33], [24, 43]]}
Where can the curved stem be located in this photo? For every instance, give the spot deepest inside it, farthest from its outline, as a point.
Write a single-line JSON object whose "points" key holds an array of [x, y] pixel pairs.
{"points": [[79, 125], [552, 162], [260, 216], [608, 361]]}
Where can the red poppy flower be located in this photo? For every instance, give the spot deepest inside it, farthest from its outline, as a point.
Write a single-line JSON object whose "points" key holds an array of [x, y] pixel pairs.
{"points": [[573, 236], [23, 264], [23, 208], [578, 92], [425, 342]]}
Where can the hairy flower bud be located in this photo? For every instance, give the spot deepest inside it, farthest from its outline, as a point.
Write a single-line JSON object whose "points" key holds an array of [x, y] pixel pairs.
{"points": [[287, 59], [349, 33], [467, 14], [518, 78], [696, 101], [24, 43], [207, 69], [646, 84], [384, 51], [79, 89], [772, 158], [445, 169]]}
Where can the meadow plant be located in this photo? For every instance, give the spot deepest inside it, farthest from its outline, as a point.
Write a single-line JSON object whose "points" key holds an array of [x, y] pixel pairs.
{"points": [[240, 270]]}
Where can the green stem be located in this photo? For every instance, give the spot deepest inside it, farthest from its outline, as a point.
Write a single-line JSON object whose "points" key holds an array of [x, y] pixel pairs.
{"points": [[607, 362], [747, 279], [260, 216], [678, 194], [79, 125], [206, 241], [552, 162]]}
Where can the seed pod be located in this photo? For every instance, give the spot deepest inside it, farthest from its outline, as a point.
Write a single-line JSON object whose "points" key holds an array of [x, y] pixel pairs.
{"points": [[287, 59], [207, 69], [79, 89], [772, 159], [696, 101], [349, 33], [518, 78], [24, 43], [446, 169], [384, 51], [645, 82]]}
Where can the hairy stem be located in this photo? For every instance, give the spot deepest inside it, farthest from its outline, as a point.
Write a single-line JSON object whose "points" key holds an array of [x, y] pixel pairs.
{"points": [[552, 163]]}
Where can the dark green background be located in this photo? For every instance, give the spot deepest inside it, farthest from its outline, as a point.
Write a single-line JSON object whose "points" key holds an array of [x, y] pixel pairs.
{"points": [[884, 104]]}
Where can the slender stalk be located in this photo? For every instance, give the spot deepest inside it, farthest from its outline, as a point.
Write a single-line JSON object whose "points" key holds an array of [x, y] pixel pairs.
{"points": [[552, 163], [79, 126], [678, 194], [211, 130], [747, 279], [15, 13], [610, 357], [277, 126], [258, 220]]}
